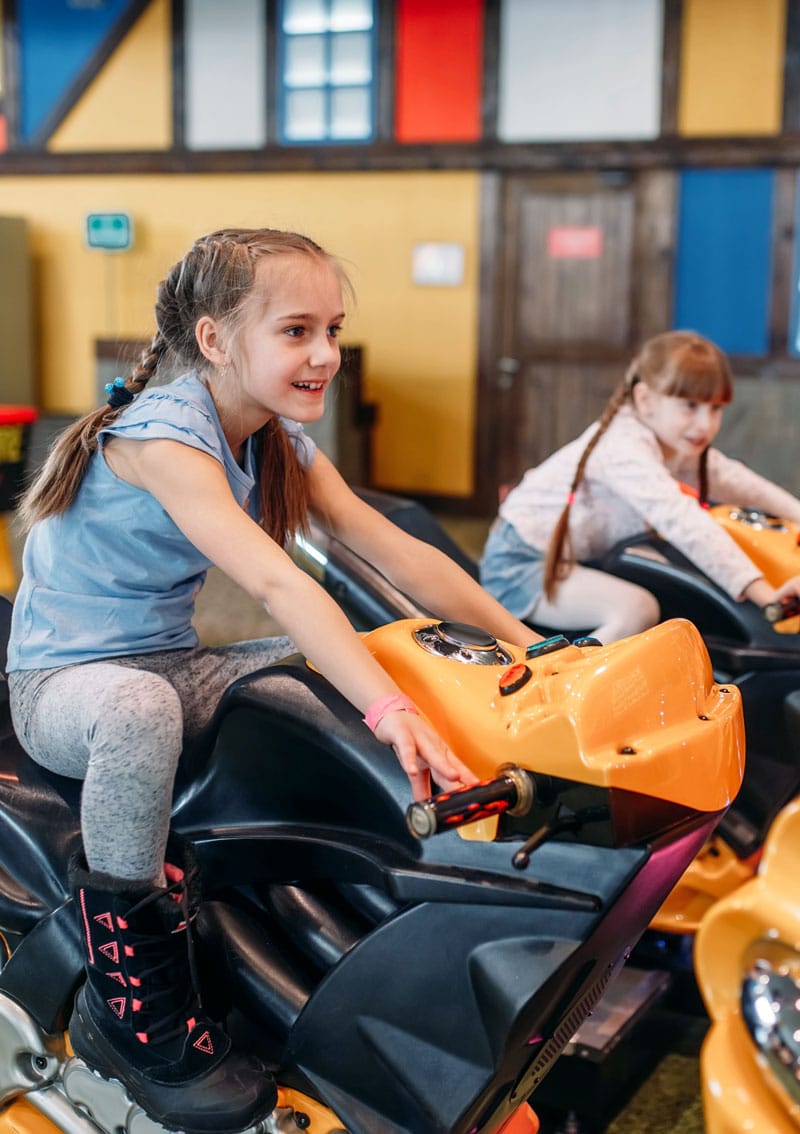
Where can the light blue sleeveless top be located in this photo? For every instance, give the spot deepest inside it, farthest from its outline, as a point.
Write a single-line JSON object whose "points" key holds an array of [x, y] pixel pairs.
{"points": [[114, 575]]}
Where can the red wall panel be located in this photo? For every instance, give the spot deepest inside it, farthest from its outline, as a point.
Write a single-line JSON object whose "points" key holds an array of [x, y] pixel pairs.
{"points": [[438, 70]]}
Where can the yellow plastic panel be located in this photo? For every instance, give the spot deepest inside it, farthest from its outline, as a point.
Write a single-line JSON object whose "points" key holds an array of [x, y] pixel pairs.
{"points": [[739, 1091], [774, 547], [714, 872], [735, 1100], [129, 104], [731, 67], [642, 714], [321, 1120], [21, 1118]]}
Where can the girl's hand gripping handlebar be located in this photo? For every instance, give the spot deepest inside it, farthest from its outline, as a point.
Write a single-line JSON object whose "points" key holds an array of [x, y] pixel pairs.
{"points": [[512, 791], [786, 607]]}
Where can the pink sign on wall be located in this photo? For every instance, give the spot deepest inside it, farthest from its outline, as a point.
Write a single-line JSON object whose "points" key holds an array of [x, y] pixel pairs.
{"points": [[575, 242]]}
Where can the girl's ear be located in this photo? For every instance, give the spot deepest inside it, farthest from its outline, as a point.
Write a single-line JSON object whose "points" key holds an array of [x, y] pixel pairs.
{"points": [[642, 398], [209, 340]]}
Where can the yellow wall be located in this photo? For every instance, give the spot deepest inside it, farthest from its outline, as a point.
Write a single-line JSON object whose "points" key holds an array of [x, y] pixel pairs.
{"points": [[420, 342], [129, 104], [731, 68]]}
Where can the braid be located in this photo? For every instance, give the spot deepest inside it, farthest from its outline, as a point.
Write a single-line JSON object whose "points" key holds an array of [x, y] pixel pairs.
{"points": [[703, 485], [283, 484], [559, 558], [148, 362], [57, 484]]}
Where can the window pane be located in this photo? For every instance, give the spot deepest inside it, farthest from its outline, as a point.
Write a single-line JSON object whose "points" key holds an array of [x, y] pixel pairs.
{"points": [[305, 116], [350, 114], [350, 60], [303, 16], [327, 70], [351, 15], [305, 61]]}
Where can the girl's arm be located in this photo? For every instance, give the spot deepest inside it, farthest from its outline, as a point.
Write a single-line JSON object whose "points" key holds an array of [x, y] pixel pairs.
{"points": [[733, 482], [635, 471], [193, 489], [415, 567]]}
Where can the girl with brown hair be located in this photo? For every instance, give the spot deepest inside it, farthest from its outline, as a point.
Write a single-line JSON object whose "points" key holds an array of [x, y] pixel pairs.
{"points": [[106, 677], [646, 463]]}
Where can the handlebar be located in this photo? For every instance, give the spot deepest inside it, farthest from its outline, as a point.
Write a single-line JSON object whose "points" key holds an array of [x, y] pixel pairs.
{"points": [[512, 792], [786, 607]]}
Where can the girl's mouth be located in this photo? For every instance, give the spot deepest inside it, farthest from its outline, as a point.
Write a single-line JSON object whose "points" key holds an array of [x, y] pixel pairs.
{"points": [[312, 387]]}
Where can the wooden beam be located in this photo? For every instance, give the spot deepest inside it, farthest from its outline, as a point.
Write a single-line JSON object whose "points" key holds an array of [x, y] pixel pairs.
{"points": [[671, 66], [178, 28], [563, 157], [11, 80], [783, 250]]}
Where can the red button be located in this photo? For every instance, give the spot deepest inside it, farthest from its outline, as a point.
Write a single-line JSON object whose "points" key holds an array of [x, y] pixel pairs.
{"points": [[514, 678]]}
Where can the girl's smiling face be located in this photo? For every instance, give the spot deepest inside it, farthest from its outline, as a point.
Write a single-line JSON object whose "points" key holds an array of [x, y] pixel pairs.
{"points": [[683, 427], [286, 353]]}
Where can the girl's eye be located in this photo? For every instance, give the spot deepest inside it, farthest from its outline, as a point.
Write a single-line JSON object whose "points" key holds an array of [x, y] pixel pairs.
{"points": [[294, 332], [335, 330]]}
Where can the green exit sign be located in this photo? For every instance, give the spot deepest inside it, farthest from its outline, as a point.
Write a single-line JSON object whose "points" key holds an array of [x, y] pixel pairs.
{"points": [[109, 230]]}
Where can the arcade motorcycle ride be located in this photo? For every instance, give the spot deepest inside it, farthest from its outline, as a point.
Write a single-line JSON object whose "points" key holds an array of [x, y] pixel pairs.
{"points": [[757, 650], [403, 969]]}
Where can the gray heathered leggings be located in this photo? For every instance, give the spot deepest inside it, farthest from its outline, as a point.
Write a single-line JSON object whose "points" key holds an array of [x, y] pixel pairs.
{"points": [[120, 725]]}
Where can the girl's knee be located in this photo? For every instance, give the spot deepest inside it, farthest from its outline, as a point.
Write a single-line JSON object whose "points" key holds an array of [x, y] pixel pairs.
{"points": [[643, 608], [142, 706]]}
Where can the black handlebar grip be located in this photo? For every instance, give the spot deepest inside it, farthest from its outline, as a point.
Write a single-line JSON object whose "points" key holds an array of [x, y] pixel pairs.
{"points": [[786, 607], [512, 792]]}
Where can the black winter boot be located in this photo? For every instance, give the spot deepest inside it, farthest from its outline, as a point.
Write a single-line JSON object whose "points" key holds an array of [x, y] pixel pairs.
{"points": [[138, 1016]]}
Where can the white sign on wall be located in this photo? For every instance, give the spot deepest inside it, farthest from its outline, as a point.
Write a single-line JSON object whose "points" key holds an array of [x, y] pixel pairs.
{"points": [[438, 264]]}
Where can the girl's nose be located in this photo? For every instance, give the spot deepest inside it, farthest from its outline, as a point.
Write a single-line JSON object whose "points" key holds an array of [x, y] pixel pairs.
{"points": [[324, 350]]}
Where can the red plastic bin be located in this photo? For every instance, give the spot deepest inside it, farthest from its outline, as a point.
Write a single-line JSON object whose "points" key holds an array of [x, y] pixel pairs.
{"points": [[15, 436]]}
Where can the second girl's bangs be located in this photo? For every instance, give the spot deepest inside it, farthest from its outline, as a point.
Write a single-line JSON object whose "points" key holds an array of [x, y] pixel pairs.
{"points": [[700, 373]]}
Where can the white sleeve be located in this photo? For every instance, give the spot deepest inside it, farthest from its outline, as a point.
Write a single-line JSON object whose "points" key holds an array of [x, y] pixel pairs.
{"points": [[732, 482], [637, 473]]}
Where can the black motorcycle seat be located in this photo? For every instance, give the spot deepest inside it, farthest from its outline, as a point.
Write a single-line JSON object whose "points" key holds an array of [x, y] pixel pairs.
{"points": [[283, 745]]}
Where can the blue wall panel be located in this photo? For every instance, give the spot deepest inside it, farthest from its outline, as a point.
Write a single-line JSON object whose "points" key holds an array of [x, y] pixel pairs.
{"points": [[723, 270], [56, 41]]}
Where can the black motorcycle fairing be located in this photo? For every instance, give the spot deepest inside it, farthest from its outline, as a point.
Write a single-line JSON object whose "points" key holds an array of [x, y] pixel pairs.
{"points": [[417, 521], [684, 591], [45, 969], [294, 775], [39, 831], [444, 1044]]}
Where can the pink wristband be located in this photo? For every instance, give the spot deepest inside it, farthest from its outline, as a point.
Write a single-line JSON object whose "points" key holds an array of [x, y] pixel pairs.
{"points": [[389, 704]]}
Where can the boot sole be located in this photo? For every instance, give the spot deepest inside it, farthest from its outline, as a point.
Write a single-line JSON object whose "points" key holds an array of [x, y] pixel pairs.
{"points": [[91, 1046]]}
